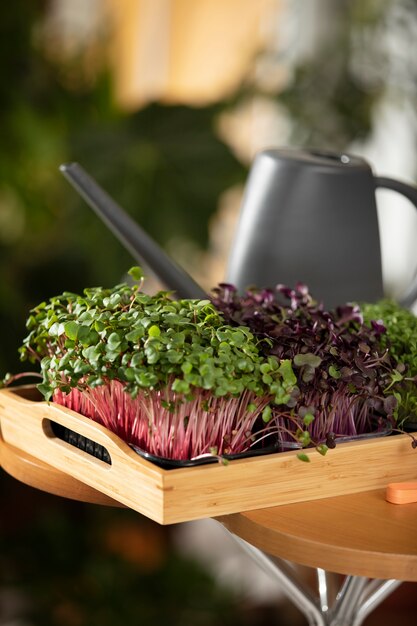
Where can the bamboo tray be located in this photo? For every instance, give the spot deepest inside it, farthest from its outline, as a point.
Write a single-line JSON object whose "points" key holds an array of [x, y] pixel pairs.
{"points": [[178, 495]]}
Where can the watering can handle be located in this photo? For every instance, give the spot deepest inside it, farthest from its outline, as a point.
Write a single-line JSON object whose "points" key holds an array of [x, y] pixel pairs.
{"points": [[410, 295]]}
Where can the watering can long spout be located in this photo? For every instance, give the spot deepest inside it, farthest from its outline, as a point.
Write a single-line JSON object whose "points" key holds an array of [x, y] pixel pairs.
{"points": [[140, 245]]}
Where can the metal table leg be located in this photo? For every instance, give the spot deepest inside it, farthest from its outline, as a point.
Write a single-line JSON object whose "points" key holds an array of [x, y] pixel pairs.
{"points": [[375, 593], [324, 590], [357, 598], [295, 589]]}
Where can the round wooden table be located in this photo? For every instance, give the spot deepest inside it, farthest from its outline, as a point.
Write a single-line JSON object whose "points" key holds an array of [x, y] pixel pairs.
{"points": [[370, 541], [360, 534]]}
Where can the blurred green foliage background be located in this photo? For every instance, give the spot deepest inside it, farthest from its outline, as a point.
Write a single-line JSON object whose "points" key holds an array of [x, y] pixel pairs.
{"points": [[164, 164]]}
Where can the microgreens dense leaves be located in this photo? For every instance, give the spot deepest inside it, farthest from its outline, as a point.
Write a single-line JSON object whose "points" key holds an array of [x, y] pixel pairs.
{"points": [[150, 344], [181, 378], [342, 367], [145, 340], [401, 340]]}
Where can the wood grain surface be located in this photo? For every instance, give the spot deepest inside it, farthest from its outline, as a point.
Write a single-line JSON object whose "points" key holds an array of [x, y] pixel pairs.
{"points": [[360, 534], [39, 475], [170, 496]]}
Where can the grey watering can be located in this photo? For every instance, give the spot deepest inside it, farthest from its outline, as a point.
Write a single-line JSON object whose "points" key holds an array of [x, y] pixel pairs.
{"points": [[311, 216]]}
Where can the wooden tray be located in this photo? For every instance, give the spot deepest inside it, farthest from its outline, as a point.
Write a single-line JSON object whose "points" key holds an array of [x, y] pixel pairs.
{"points": [[39, 475], [177, 495]]}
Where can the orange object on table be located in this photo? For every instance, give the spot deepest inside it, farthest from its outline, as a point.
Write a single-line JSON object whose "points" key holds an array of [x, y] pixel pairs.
{"points": [[401, 493]]}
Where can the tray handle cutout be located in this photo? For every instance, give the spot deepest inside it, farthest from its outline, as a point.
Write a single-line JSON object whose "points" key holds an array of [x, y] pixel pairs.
{"points": [[53, 429]]}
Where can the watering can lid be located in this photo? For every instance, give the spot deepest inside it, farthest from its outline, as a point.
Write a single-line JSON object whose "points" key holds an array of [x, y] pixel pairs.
{"points": [[317, 157]]}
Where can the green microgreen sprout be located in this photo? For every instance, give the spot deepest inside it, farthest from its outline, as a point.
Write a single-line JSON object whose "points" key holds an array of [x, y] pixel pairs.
{"points": [[169, 376], [400, 338]]}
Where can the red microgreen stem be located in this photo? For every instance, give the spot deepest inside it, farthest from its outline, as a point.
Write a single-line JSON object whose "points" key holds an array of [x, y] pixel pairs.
{"points": [[166, 424]]}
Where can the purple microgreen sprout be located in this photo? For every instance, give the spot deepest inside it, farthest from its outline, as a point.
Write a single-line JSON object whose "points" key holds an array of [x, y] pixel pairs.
{"points": [[343, 368]]}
